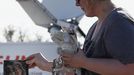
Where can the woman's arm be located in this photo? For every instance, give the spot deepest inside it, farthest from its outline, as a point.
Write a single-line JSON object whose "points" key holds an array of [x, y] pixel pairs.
{"points": [[98, 65], [108, 66], [37, 60]]}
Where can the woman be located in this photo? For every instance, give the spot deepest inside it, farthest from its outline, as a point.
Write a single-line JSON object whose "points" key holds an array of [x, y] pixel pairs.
{"points": [[109, 44]]}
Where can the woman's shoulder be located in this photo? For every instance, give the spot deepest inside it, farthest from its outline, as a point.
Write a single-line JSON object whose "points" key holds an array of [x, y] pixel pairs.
{"points": [[118, 17], [119, 14], [119, 20]]}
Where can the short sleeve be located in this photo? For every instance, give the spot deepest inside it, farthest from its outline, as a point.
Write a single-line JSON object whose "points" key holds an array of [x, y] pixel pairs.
{"points": [[119, 40]]}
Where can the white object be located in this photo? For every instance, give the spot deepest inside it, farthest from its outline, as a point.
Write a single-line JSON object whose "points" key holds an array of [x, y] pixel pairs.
{"points": [[62, 9], [49, 11]]}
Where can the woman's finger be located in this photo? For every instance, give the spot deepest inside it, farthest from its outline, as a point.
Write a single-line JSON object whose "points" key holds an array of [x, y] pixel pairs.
{"points": [[31, 62], [29, 58], [65, 54]]}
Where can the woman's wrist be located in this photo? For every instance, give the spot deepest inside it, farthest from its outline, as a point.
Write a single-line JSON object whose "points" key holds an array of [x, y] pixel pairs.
{"points": [[48, 67]]}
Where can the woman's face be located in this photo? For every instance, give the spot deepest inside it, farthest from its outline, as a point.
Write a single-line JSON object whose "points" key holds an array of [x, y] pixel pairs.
{"points": [[87, 6]]}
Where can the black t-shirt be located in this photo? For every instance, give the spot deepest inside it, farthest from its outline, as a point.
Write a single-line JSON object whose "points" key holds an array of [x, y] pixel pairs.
{"points": [[114, 41]]}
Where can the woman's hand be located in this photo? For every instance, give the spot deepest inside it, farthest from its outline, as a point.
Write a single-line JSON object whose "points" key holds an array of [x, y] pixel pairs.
{"points": [[73, 60], [38, 60]]}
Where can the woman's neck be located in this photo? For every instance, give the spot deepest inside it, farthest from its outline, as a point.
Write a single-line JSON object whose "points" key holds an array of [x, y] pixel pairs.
{"points": [[104, 10]]}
